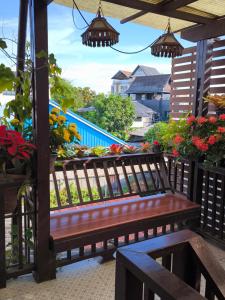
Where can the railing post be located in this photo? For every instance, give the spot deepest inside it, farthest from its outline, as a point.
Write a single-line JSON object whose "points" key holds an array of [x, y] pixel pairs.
{"points": [[44, 269]]}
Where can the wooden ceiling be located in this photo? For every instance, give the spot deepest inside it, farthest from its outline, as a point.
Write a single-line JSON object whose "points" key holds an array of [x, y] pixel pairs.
{"points": [[195, 19]]}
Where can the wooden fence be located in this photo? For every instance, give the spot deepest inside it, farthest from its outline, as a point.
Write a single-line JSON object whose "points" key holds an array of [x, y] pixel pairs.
{"points": [[184, 85]]}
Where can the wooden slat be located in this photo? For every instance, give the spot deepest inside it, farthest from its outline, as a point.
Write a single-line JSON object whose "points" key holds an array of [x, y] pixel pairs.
{"points": [[217, 90], [117, 178], [105, 168], [77, 184], [186, 75], [218, 53], [183, 68], [184, 59], [97, 181], [218, 62], [88, 182], [67, 186]]}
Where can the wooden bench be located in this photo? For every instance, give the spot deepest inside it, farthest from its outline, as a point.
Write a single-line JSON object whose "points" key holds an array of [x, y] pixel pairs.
{"points": [[128, 198]]}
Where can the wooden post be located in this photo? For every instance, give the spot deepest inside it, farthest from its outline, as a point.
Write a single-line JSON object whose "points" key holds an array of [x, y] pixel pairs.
{"points": [[202, 78], [22, 30], [44, 269], [2, 242]]}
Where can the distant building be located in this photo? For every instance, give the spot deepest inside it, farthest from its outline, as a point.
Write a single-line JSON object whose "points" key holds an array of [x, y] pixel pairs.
{"points": [[123, 79], [153, 92]]}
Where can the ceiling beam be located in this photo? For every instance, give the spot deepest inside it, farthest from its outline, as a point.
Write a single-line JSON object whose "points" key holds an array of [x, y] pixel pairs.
{"points": [[175, 4], [133, 17], [152, 8], [203, 32]]}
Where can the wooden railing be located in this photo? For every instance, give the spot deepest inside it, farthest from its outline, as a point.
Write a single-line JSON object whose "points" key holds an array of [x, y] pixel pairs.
{"points": [[176, 266], [208, 191]]}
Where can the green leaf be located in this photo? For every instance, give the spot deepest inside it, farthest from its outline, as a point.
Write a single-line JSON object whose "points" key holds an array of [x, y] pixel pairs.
{"points": [[3, 44]]}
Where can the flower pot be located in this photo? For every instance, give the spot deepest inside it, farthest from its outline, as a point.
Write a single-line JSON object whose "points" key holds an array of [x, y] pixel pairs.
{"points": [[220, 111], [10, 186], [53, 158]]}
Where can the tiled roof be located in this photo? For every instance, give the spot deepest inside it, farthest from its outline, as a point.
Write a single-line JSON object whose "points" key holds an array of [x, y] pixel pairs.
{"points": [[148, 84]]}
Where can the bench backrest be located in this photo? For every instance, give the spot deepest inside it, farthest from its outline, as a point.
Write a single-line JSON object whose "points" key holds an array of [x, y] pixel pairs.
{"points": [[92, 180]]}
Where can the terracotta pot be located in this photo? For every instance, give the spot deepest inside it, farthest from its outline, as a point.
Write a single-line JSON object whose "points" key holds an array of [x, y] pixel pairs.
{"points": [[53, 158], [10, 192]]}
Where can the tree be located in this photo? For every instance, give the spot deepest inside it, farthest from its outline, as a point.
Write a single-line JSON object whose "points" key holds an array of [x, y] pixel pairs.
{"points": [[69, 96], [7, 78], [112, 113]]}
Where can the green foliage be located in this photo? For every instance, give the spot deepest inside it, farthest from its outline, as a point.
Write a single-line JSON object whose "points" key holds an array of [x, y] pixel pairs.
{"points": [[112, 113], [74, 196], [69, 96], [156, 132], [7, 78]]}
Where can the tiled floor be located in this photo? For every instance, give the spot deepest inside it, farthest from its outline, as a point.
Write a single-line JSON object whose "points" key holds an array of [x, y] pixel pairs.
{"points": [[87, 280]]}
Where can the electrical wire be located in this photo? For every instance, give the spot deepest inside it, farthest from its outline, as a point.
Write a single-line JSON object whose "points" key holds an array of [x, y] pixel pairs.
{"points": [[74, 23], [115, 49], [132, 52], [74, 3]]}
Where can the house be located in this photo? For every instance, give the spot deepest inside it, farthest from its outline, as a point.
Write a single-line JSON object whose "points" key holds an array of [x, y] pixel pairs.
{"points": [[153, 92], [123, 79]]}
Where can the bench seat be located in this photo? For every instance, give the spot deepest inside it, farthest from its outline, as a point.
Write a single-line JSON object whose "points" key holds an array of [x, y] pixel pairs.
{"points": [[69, 224]]}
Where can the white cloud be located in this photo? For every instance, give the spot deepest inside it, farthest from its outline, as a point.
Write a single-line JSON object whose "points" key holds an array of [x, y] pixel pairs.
{"points": [[98, 76]]}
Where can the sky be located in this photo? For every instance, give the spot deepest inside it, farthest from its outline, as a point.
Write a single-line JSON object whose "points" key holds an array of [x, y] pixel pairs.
{"points": [[85, 66]]}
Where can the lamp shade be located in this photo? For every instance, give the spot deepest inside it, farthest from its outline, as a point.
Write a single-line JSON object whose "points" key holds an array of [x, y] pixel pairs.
{"points": [[100, 33], [167, 46]]}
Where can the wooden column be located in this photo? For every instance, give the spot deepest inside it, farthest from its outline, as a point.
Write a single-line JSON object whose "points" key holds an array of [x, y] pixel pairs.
{"points": [[202, 78], [39, 41], [22, 29]]}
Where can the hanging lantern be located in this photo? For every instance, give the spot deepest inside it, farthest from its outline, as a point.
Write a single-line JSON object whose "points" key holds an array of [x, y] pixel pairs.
{"points": [[100, 33], [167, 45]]}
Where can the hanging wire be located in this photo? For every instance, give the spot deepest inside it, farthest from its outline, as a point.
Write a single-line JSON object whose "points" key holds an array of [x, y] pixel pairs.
{"points": [[74, 3], [134, 52], [115, 49], [74, 23]]}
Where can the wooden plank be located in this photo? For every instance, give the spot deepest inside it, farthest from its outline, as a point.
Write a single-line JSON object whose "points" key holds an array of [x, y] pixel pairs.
{"points": [[218, 53], [217, 90], [183, 68], [186, 75], [214, 81], [181, 84], [148, 7], [184, 59], [220, 71], [219, 43], [218, 62], [204, 32]]}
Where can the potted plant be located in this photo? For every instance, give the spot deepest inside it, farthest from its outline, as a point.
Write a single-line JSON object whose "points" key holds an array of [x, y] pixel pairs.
{"points": [[204, 140], [218, 101], [15, 155], [61, 134]]}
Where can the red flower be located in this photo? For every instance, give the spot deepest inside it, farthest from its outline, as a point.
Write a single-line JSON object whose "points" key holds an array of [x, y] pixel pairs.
{"points": [[116, 149], [222, 117], [175, 153], [156, 143], [195, 139], [178, 139], [212, 120], [221, 129], [212, 139], [190, 120], [202, 120], [145, 147]]}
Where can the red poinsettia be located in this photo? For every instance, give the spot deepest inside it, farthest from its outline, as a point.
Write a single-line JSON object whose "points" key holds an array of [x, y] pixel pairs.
{"points": [[13, 146]]}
